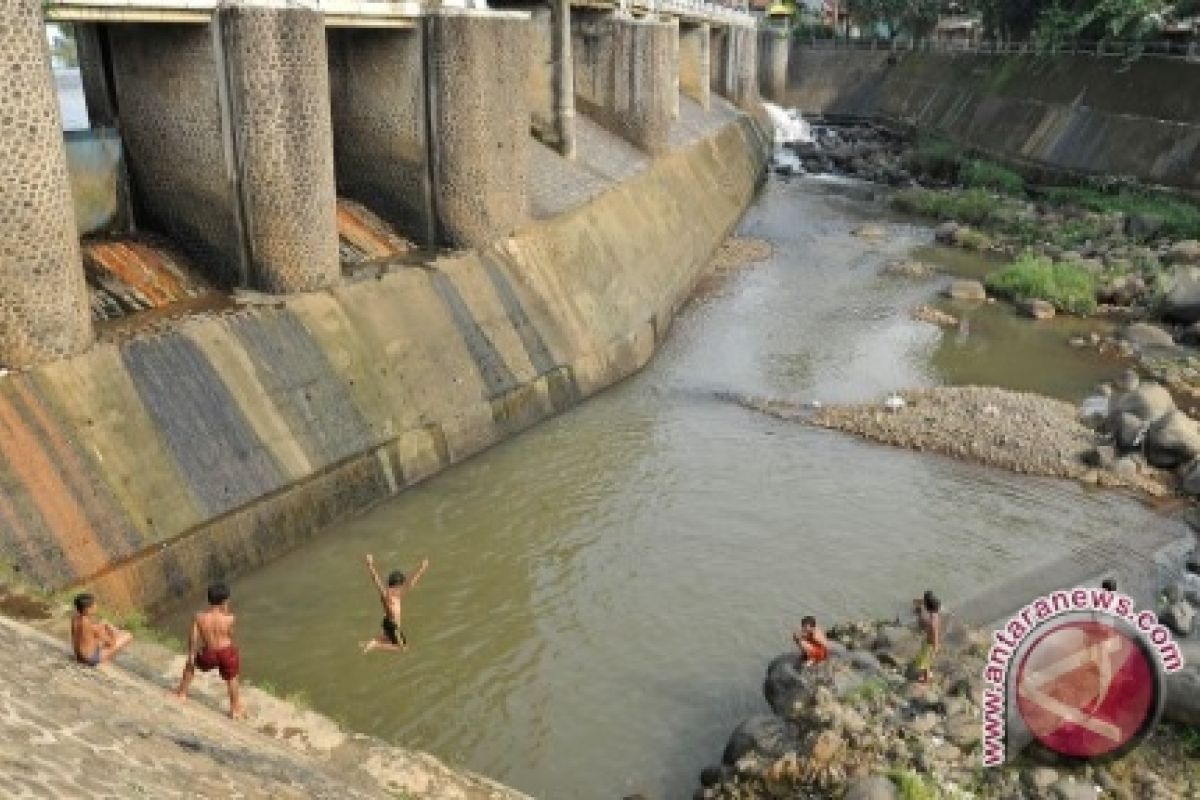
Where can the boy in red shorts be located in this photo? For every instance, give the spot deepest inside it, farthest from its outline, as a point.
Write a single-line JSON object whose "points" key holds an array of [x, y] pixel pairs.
{"points": [[210, 646]]}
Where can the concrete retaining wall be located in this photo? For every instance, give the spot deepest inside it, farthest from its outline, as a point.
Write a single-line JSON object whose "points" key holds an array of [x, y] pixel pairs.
{"points": [[1079, 113], [149, 468]]}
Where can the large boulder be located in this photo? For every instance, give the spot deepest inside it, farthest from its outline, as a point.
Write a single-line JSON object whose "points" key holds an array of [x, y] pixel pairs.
{"points": [[1185, 252], [1142, 226], [1147, 401], [1172, 440], [876, 787], [1143, 334], [788, 680], [765, 735], [1183, 687], [1181, 300], [966, 290]]}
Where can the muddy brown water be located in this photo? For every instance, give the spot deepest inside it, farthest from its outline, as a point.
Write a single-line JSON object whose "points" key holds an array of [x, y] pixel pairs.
{"points": [[606, 588]]}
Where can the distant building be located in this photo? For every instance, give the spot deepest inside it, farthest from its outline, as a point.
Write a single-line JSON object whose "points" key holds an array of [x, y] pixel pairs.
{"points": [[958, 28]]}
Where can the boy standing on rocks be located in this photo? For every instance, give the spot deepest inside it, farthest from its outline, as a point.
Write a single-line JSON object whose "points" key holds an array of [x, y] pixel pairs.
{"points": [[392, 639], [210, 646], [95, 642], [929, 620]]}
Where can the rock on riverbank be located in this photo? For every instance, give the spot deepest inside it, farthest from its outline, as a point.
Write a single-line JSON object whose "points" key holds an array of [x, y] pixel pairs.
{"points": [[1018, 431], [857, 727]]}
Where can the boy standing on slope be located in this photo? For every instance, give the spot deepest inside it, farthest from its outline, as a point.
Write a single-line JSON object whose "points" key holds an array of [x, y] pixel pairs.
{"points": [[210, 646], [392, 639]]}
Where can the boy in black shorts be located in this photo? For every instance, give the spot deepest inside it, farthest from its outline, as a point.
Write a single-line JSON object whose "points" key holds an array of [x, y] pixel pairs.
{"points": [[392, 638]]}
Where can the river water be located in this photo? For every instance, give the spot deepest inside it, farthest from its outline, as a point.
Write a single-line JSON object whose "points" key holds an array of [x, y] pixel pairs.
{"points": [[606, 588]]}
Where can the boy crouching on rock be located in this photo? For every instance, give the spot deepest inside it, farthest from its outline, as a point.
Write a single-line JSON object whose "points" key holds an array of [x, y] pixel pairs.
{"points": [[94, 641], [210, 646]]}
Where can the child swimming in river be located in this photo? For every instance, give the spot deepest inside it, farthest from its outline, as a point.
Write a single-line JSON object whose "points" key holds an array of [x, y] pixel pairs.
{"points": [[392, 639]]}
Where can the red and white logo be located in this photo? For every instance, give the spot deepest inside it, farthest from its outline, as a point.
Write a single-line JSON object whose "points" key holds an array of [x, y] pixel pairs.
{"points": [[1087, 688]]}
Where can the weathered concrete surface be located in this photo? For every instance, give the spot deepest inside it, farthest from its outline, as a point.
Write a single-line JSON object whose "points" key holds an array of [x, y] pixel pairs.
{"points": [[773, 47], [278, 76], [1079, 113], [149, 468], [625, 75], [166, 83], [695, 79], [43, 298], [741, 69], [477, 65], [115, 731], [377, 94]]}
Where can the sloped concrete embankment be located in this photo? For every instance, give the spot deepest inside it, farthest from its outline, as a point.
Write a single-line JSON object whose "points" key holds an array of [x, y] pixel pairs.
{"points": [[148, 468], [1074, 113], [75, 731]]}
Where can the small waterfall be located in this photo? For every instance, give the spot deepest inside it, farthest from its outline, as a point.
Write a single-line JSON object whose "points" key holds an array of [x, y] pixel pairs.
{"points": [[790, 127]]}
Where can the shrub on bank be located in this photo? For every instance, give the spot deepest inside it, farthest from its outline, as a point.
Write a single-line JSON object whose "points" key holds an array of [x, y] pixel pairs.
{"points": [[934, 158], [980, 174], [1068, 287], [1180, 218]]}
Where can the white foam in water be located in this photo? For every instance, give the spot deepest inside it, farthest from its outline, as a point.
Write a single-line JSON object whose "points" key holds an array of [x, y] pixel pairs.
{"points": [[790, 127]]}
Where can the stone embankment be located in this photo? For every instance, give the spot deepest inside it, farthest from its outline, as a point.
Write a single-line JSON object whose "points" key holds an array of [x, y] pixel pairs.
{"points": [[117, 732], [858, 727]]}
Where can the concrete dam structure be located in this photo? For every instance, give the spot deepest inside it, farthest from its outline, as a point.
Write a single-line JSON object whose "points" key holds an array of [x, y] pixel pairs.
{"points": [[567, 177], [1086, 113]]}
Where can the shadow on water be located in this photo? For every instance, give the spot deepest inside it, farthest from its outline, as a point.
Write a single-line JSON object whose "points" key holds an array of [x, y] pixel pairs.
{"points": [[606, 588]]}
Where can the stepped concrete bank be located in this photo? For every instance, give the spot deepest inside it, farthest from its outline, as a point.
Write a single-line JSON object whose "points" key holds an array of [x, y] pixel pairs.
{"points": [[149, 468], [1075, 113]]}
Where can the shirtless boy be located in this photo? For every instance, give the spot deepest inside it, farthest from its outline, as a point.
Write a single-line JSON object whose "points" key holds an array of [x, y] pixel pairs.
{"points": [[95, 642], [812, 641], [929, 620], [392, 639], [210, 646]]}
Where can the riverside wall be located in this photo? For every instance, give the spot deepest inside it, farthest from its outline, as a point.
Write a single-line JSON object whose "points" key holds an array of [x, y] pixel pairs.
{"points": [[148, 468], [1078, 113]]}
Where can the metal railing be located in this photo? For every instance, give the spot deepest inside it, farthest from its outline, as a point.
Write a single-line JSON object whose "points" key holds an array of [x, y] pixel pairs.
{"points": [[1189, 51]]}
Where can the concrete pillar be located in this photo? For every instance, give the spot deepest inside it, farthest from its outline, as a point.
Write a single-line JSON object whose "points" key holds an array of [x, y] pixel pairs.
{"points": [[624, 78], [277, 73], [478, 122], [718, 58], [43, 297], [773, 63], [93, 71], [673, 64], [377, 99], [564, 77], [741, 65], [694, 75]]}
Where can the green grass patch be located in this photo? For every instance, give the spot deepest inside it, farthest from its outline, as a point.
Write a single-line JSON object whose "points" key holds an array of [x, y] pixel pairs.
{"points": [[912, 786], [1068, 287], [1180, 218], [973, 206], [866, 692], [980, 174], [934, 158]]}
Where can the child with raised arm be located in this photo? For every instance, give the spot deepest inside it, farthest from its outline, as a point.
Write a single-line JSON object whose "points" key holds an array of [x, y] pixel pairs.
{"points": [[94, 641], [392, 639], [210, 646]]}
